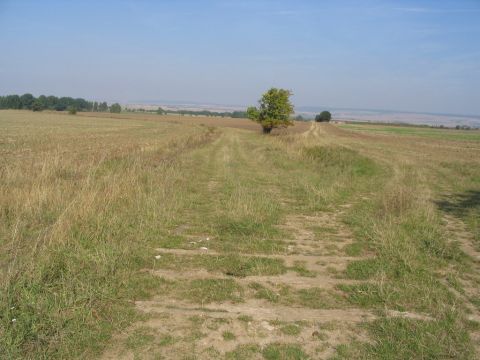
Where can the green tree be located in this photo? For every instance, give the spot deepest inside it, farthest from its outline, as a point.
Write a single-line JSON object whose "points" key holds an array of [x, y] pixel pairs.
{"points": [[103, 107], [324, 116], [115, 108], [274, 110], [95, 106], [13, 102], [27, 101], [72, 110], [160, 111], [239, 114], [49, 101], [42, 100], [37, 105]]}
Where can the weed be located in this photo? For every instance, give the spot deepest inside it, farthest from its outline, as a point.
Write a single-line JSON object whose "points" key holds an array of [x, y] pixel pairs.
{"points": [[243, 352], [300, 269], [291, 329], [363, 269], [245, 318], [228, 336]]}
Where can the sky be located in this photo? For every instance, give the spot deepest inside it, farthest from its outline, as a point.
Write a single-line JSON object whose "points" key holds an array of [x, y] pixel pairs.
{"points": [[419, 56]]}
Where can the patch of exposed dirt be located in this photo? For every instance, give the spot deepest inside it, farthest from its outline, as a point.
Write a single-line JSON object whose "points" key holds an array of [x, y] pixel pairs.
{"points": [[290, 279], [470, 288], [334, 238], [459, 233], [259, 309], [313, 262], [318, 335]]}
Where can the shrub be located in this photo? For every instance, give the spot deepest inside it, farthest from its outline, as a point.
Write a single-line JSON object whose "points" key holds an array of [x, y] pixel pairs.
{"points": [[324, 116], [115, 108], [37, 106]]}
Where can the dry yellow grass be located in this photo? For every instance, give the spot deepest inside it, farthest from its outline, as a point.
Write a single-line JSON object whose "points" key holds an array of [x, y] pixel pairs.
{"points": [[59, 169], [298, 127], [308, 234]]}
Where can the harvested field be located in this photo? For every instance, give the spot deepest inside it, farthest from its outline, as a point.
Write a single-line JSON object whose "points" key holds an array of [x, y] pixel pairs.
{"points": [[299, 126], [164, 237]]}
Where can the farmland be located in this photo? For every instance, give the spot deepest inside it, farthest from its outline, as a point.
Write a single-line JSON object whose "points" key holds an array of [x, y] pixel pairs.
{"points": [[150, 237], [447, 134]]}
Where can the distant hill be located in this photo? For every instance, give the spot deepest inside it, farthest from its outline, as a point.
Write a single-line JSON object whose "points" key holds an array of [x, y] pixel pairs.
{"points": [[386, 116], [309, 112]]}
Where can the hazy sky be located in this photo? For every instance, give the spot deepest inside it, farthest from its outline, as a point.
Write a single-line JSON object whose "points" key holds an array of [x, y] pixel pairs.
{"points": [[401, 55]]}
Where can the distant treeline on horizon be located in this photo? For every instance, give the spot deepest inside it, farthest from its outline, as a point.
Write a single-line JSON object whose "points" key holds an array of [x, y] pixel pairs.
{"points": [[30, 102], [161, 111]]}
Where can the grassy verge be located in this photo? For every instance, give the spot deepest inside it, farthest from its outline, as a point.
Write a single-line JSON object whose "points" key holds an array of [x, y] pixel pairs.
{"points": [[76, 231], [404, 232]]}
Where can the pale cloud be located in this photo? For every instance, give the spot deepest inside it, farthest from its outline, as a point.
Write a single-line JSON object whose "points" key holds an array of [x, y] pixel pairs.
{"points": [[435, 10]]}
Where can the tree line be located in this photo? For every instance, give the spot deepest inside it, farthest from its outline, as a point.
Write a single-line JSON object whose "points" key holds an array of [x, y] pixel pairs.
{"points": [[161, 111], [275, 108], [30, 102], [234, 114]]}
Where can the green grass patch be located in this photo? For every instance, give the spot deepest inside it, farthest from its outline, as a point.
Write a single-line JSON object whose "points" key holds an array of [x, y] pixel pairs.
{"points": [[364, 295], [300, 268], [418, 292], [314, 298], [414, 339], [166, 340], [277, 351], [406, 339], [228, 336], [363, 269], [291, 329], [354, 249], [442, 134], [243, 352], [245, 318], [262, 292], [346, 160], [212, 290]]}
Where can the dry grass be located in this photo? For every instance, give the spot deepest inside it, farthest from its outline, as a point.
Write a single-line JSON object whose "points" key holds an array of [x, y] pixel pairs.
{"points": [[75, 194], [299, 126], [331, 225]]}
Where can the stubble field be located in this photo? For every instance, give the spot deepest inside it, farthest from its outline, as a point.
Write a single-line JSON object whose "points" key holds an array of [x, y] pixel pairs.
{"points": [[168, 237]]}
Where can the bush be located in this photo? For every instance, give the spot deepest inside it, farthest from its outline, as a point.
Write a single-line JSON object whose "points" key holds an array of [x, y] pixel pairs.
{"points": [[37, 106], [115, 108], [72, 110], [324, 116]]}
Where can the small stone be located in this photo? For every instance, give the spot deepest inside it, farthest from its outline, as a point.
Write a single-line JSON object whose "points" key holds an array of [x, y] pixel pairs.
{"points": [[203, 248], [158, 257], [14, 320], [207, 238]]}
